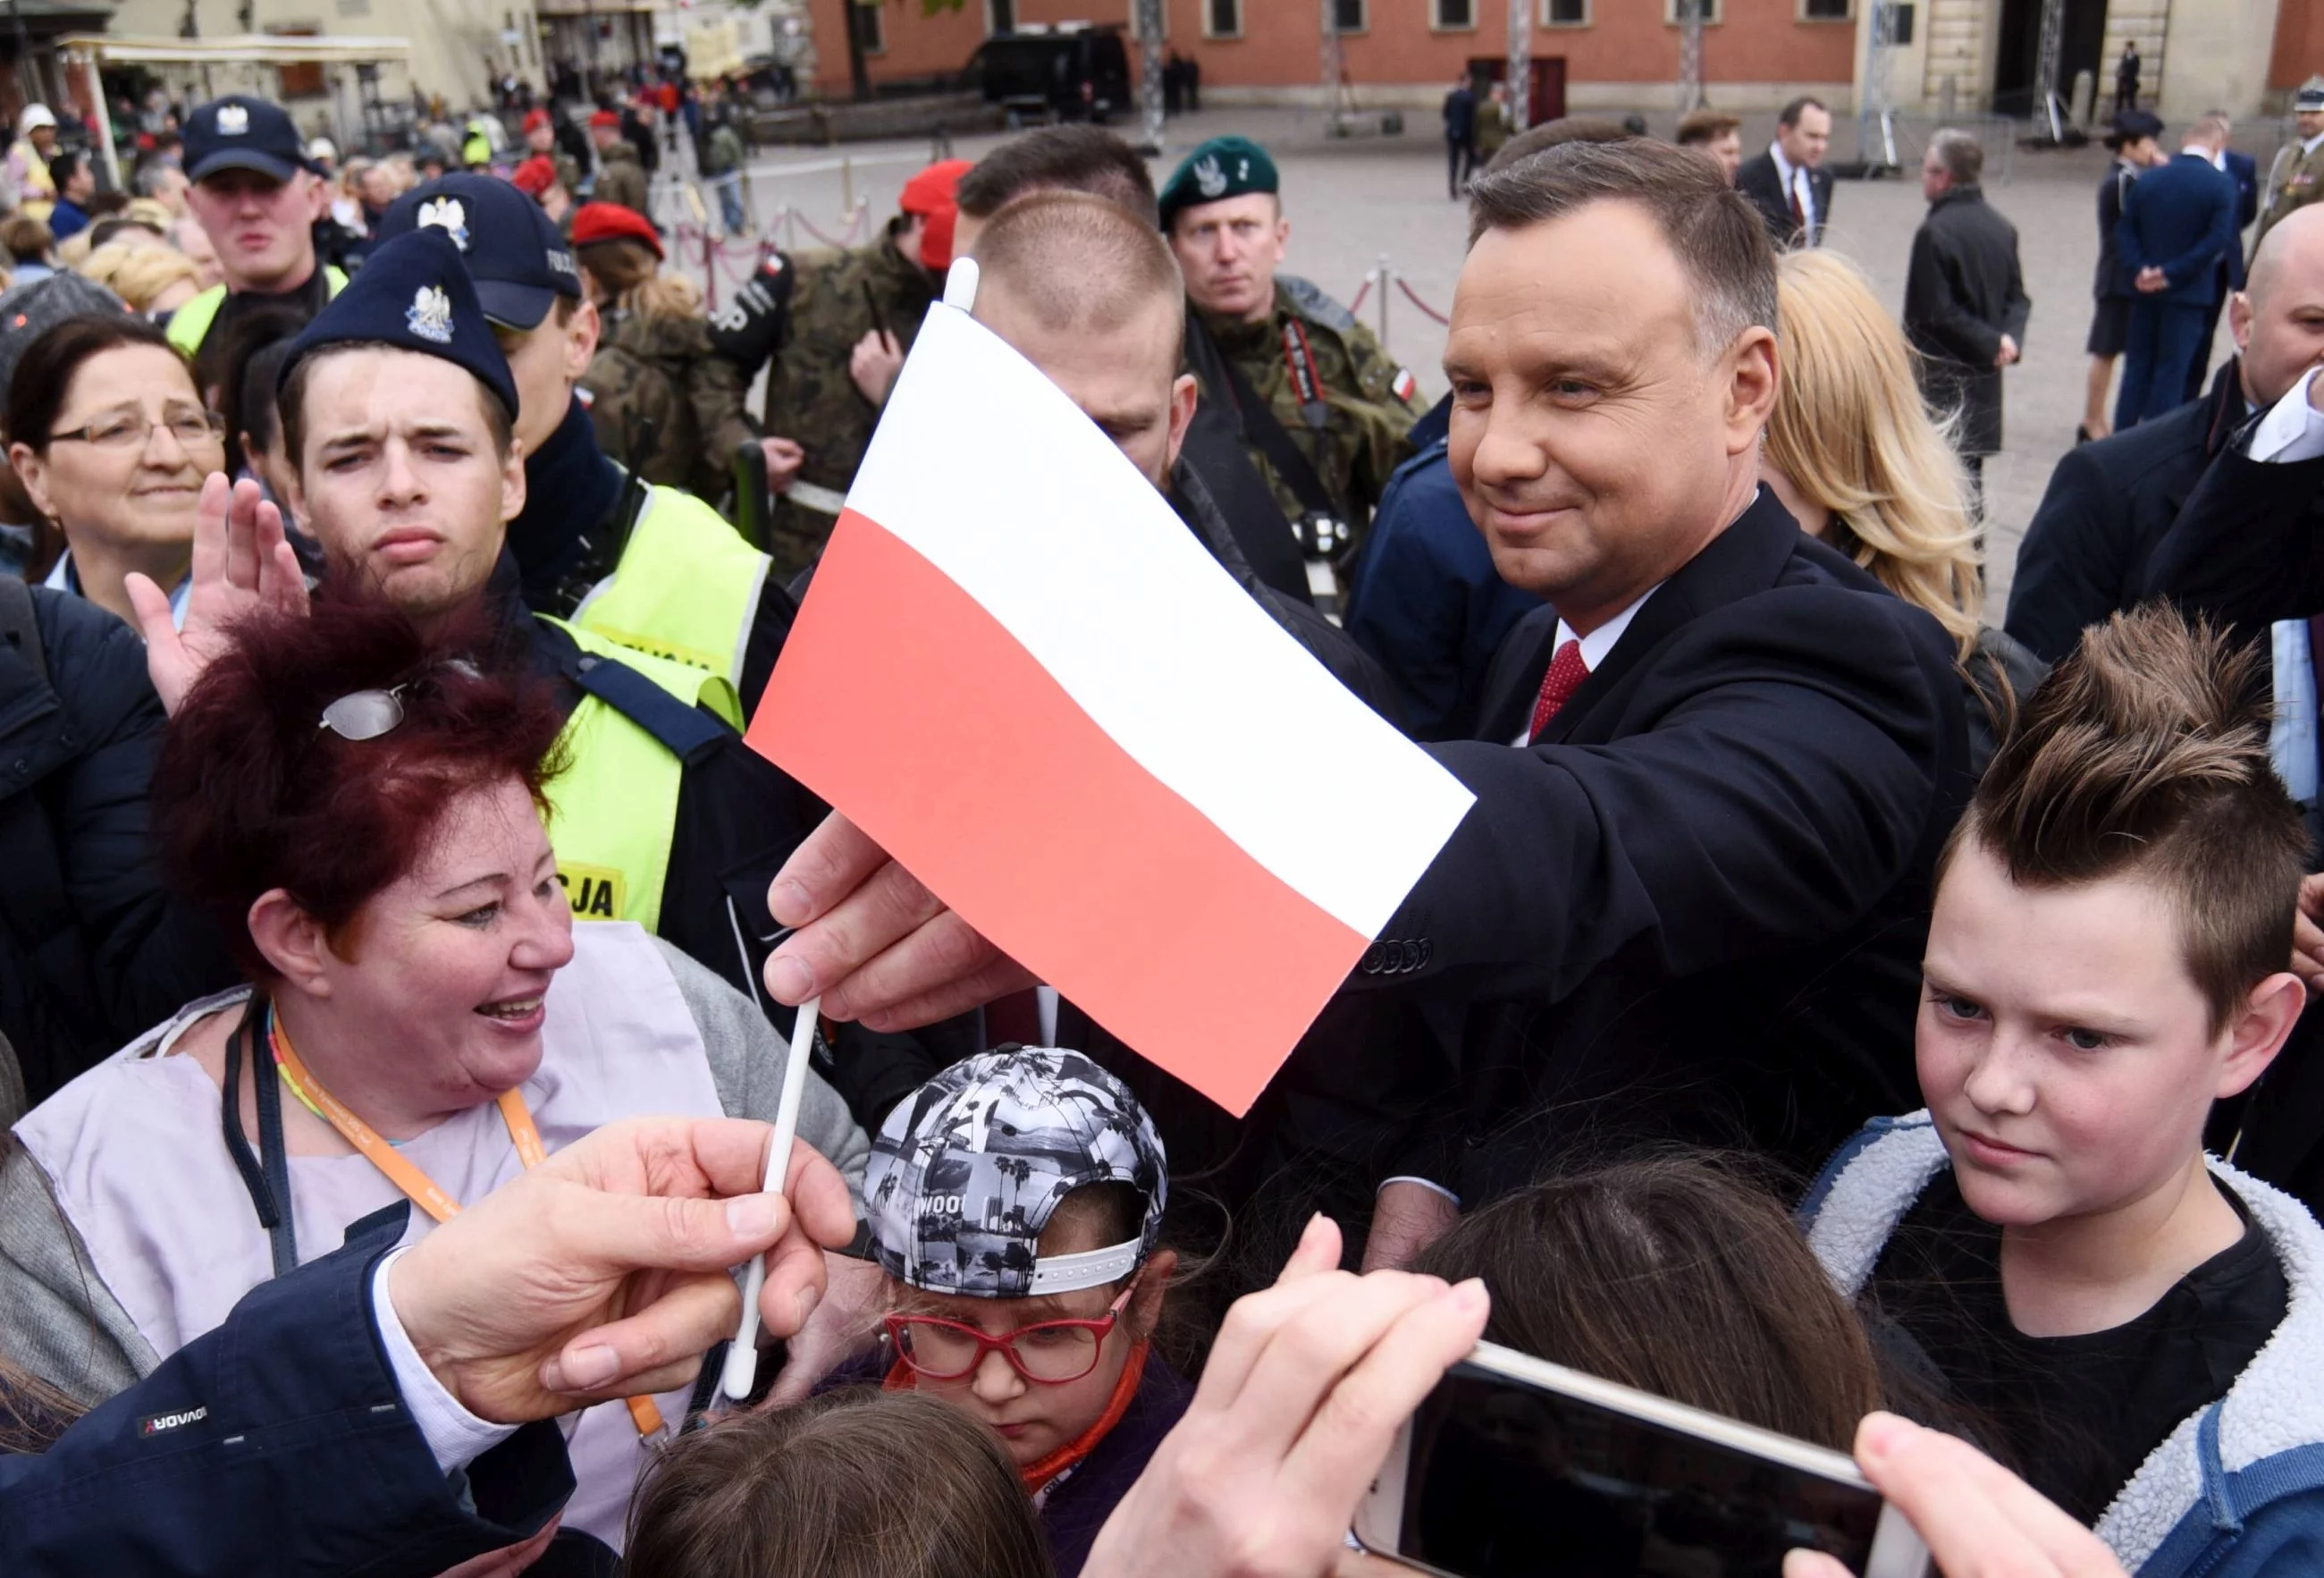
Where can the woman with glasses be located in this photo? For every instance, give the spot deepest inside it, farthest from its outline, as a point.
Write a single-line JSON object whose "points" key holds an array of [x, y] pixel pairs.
{"points": [[1015, 1202], [363, 816], [109, 435]]}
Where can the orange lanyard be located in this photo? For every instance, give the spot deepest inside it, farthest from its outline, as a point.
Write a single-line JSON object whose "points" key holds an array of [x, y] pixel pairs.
{"points": [[423, 1191]]}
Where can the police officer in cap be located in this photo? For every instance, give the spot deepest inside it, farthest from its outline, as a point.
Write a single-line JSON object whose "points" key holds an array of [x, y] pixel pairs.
{"points": [[2296, 176], [652, 568], [399, 411], [1321, 406], [258, 201]]}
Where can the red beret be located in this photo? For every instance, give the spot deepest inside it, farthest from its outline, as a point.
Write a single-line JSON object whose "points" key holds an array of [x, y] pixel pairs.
{"points": [[933, 194], [604, 117], [612, 222], [535, 118], [535, 176]]}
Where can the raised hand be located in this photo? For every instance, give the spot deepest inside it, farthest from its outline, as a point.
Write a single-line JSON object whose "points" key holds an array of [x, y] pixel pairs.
{"points": [[242, 563]]}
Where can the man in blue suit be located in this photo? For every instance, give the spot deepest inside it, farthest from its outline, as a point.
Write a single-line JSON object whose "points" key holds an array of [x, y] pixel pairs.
{"points": [[2177, 224], [2244, 171]]}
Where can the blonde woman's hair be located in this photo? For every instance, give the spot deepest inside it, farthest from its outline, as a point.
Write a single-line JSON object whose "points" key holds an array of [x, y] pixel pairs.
{"points": [[1853, 434], [138, 273], [629, 277]]}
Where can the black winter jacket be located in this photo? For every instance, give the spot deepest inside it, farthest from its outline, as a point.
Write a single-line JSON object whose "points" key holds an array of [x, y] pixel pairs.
{"points": [[92, 950]]}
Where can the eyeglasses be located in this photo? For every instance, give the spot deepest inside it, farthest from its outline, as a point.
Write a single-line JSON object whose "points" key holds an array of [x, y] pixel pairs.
{"points": [[364, 714], [1047, 1352], [189, 429]]}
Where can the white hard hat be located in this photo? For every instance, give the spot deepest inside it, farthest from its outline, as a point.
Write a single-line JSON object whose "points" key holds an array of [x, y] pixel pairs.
{"points": [[35, 115]]}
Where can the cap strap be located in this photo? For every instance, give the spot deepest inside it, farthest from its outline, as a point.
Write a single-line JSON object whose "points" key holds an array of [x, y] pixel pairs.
{"points": [[1090, 1268]]}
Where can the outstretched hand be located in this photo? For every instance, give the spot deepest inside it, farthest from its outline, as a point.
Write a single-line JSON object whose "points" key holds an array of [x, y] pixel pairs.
{"points": [[243, 563]]}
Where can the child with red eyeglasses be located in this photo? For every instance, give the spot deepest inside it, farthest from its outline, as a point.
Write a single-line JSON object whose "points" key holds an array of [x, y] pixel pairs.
{"points": [[1014, 1202]]}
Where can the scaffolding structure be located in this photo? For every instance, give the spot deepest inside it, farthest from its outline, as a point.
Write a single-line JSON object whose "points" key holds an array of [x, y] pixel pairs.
{"points": [[1876, 110], [1152, 38], [2052, 108], [1691, 97], [1520, 78]]}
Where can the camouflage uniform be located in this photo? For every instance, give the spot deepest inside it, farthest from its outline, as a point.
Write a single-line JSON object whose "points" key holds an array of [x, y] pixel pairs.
{"points": [[660, 368], [810, 397], [568, 174], [1372, 402], [621, 180]]}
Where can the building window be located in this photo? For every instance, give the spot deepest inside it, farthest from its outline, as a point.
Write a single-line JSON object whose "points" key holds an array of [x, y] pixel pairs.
{"points": [[1222, 19], [870, 27], [1565, 13], [1350, 16], [1675, 10], [1827, 10], [1452, 15], [1000, 16]]}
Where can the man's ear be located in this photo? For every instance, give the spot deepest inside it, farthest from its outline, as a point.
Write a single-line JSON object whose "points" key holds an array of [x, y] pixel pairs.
{"points": [[2239, 319], [581, 340], [512, 480], [1752, 388], [1145, 1311], [291, 941], [1183, 393], [2260, 1031]]}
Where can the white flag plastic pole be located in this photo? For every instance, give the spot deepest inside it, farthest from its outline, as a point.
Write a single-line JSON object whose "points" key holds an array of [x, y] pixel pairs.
{"points": [[742, 1357]]}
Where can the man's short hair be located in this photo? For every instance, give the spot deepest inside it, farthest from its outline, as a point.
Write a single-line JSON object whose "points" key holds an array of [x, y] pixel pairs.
{"points": [[1554, 134], [1792, 111], [1705, 126], [64, 167], [1720, 243], [2145, 754], [291, 405], [1079, 262], [2211, 124], [1066, 159], [1961, 155]]}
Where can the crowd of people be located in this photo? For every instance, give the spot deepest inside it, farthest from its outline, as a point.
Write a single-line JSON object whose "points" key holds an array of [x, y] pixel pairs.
{"points": [[1830, 1013]]}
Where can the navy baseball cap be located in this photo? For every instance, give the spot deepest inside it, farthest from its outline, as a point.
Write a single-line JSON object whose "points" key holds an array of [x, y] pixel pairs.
{"points": [[519, 262], [241, 132], [411, 294]]}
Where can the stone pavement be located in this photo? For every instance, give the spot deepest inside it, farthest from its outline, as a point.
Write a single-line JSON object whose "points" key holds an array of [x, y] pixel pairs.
{"points": [[1352, 200]]}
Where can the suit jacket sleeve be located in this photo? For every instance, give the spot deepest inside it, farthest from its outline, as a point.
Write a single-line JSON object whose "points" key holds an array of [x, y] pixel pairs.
{"points": [[2126, 240], [304, 1461], [1775, 776], [2244, 549], [1933, 307], [2218, 236], [2018, 308], [2072, 566]]}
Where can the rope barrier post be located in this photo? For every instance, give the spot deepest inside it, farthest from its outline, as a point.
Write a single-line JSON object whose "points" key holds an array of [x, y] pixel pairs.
{"points": [[847, 181], [709, 271], [1384, 276]]}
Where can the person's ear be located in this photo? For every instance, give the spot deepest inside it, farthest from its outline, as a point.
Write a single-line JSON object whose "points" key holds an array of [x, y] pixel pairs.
{"points": [[1752, 386], [581, 340], [2239, 321], [2260, 1031], [292, 941], [1145, 1311], [33, 473], [512, 480], [1183, 393]]}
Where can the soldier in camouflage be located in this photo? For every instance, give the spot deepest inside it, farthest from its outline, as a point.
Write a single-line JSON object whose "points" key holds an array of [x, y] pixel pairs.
{"points": [[621, 179], [2296, 176], [1323, 409], [831, 374], [655, 372]]}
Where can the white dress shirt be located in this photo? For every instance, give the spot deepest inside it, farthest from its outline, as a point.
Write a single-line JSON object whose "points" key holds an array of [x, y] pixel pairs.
{"points": [[2291, 430], [454, 1434], [1794, 179], [1596, 646]]}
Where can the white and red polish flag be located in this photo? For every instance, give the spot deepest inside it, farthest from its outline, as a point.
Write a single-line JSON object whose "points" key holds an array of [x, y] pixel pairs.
{"points": [[1021, 674]]}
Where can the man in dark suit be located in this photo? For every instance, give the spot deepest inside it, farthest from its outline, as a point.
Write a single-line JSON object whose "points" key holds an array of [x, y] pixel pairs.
{"points": [[2178, 222], [2132, 140], [1788, 184], [2244, 171], [1965, 303], [1460, 136], [2085, 555], [1690, 898]]}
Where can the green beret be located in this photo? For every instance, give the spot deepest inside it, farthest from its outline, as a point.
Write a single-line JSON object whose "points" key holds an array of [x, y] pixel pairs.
{"points": [[1222, 168]]}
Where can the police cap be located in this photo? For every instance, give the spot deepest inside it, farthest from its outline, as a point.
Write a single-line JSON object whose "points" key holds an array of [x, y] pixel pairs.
{"points": [[243, 132], [518, 261], [412, 294], [2311, 96], [1222, 168]]}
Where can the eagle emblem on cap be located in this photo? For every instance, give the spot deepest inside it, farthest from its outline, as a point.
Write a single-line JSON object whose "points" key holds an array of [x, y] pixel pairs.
{"points": [[1209, 178], [449, 216], [431, 316], [232, 120]]}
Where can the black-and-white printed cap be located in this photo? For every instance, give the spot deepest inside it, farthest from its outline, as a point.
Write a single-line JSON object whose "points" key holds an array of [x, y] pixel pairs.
{"points": [[967, 1170]]}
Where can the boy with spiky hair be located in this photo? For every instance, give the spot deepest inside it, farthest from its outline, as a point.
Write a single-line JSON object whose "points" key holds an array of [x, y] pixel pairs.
{"points": [[2141, 1326]]}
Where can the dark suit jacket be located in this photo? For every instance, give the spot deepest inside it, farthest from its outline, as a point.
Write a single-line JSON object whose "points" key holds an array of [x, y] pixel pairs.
{"points": [[1758, 181], [1962, 292], [2108, 503], [2179, 217], [1697, 906], [2109, 279], [305, 1461], [2244, 171], [2247, 546]]}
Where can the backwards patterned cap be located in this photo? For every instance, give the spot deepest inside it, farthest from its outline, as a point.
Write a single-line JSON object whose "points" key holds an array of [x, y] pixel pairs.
{"points": [[968, 1169]]}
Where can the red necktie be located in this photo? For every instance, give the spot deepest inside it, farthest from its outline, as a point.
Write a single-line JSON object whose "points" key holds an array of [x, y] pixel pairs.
{"points": [[1566, 673]]}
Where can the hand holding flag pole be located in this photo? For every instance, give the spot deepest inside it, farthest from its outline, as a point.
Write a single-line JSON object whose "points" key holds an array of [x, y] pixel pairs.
{"points": [[742, 1357]]}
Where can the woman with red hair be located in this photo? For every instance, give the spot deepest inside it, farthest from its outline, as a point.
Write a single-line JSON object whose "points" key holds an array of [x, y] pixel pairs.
{"points": [[362, 813]]}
